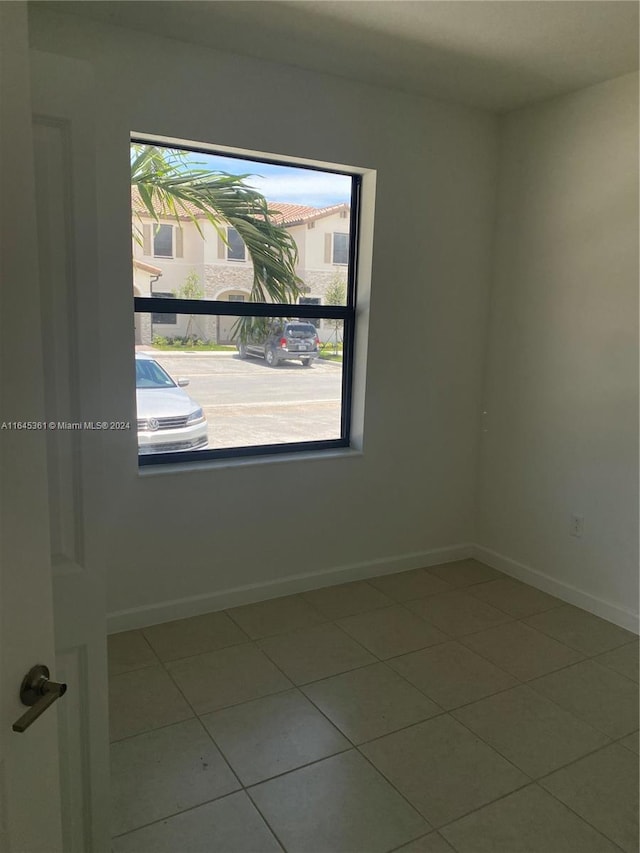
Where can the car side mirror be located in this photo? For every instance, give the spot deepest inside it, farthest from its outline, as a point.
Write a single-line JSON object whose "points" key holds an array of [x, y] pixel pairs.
{"points": [[183, 382]]}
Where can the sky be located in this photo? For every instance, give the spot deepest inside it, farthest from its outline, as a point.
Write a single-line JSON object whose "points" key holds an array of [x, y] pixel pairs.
{"points": [[283, 183]]}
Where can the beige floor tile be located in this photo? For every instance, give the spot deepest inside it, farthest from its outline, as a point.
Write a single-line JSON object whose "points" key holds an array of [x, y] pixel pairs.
{"points": [[623, 660], [432, 843], [593, 693], [163, 772], [194, 636], [532, 732], [277, 616], [227, 677], [521, 650], [369, 702], [443, 769], [452, 675], [347, 599], [462, 573], [458, 613], [339, 805], [269, 736], [315, 653], [403, 586], [515, 598], [231, 824], [580, 630], [527, 821], [143, 700], [392, 631], [603, 789], [631, 742], [128, 651]]}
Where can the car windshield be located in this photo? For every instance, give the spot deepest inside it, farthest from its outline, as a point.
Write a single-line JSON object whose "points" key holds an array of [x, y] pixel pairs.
{"points": [[301, 330], [149, 374]]}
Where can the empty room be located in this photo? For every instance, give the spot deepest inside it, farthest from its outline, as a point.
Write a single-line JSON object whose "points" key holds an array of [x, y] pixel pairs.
{"points": [[319, 426]]}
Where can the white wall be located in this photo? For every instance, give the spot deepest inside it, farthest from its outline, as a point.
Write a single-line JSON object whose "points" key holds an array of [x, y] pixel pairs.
{"points": [[561, 385], [195, 534]]}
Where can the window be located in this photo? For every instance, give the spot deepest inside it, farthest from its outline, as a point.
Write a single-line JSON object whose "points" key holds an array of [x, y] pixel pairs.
{"points": [[236, 250], [164, 319], [340, 248], [260, 382], [163, 241]]}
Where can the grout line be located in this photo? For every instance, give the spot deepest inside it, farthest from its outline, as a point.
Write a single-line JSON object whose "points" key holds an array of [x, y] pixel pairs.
{"points": [[577, 760], [177, 814], [419, 838], [385, 662], [233, 645], [423, 816], [148, 642], [247, 788], [544, 775], [112, 675], [148, 731], [267, 824], [580, 817]]}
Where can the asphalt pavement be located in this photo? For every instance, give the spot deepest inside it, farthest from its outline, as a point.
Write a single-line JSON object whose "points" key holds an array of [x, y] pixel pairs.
{"points": [[246, 402]]}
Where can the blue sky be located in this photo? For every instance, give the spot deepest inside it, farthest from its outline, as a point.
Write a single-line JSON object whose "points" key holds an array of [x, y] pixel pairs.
{"points": [[284, 183]]}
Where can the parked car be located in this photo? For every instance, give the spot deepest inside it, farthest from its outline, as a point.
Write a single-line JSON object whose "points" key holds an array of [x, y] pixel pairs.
{"points": [[282, 341], [168, 418]]}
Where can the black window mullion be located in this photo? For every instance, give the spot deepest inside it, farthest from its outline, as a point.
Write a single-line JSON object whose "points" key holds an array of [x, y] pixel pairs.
{"points": [[354, 237], [151, 304]]}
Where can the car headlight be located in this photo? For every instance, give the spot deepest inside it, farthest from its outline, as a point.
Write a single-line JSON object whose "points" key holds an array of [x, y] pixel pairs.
{"points": [[196, 417]]}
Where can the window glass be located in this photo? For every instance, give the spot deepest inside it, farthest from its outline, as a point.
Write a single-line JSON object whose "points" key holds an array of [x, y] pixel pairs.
{"points": [[236, 248], [163, 241], [273, 371], [340, 248]]}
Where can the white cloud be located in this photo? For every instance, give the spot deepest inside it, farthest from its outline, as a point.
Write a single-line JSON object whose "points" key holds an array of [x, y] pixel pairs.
{"points": [[316, 189]]}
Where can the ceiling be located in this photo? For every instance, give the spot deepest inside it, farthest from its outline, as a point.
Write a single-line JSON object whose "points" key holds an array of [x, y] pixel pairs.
{"points": [[494, 54]]}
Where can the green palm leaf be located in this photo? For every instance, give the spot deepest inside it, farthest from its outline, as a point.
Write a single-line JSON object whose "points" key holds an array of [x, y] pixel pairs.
{"points": [[170, 186]]}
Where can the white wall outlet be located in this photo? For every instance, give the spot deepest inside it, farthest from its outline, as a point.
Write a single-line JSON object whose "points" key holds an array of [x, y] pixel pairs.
{"points": [[576, 525]]}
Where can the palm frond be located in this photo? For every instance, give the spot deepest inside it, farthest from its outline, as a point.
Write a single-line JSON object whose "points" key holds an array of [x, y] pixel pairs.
{"points": [[170, 186]]}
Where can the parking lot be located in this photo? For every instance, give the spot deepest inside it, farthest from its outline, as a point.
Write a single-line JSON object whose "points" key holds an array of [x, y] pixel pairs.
{"points": [[246, 402]]}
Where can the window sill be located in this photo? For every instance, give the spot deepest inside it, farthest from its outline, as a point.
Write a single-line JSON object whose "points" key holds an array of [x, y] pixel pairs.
{"points": [[245, 461]]}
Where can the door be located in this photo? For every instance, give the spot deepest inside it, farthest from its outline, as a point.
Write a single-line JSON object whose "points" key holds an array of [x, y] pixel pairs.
{"points": [[54, 776]]}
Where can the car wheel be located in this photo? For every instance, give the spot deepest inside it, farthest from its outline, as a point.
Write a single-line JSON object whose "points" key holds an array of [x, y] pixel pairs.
{"points": [[270, 358], [306, 362], [242, 351]]}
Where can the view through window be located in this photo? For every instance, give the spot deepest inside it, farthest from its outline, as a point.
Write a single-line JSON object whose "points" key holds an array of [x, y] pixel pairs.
{"points": [[244, 299]]}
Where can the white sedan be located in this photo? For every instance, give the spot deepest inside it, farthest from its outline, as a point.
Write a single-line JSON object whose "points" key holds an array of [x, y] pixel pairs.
{"points": [[168, 418]]}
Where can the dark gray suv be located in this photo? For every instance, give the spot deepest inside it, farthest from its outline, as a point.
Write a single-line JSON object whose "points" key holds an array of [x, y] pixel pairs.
{"points": [[277, 341]]}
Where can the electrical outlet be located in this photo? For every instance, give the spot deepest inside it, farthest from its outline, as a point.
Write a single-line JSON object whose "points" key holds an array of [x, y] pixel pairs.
{"points": [[576, 525]]}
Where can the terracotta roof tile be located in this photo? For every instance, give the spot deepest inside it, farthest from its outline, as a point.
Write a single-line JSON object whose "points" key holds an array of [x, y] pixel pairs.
{"points": [[285, 213]]}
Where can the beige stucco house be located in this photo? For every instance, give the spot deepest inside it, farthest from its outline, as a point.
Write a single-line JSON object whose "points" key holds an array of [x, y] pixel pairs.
{"points": [[171, 251]]}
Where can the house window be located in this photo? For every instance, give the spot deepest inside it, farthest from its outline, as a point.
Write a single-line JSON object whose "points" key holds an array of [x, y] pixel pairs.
{"points": [[259, 381], [163, 319], [163, 241], [236, 250], [340, 249]]}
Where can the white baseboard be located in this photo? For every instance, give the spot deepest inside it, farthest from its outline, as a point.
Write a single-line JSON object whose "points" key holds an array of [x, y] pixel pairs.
{"points": [[182, 608], [612, 612]]}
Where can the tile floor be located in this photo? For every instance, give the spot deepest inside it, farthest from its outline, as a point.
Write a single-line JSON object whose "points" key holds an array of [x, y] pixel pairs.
{"points": [[436, 710]]}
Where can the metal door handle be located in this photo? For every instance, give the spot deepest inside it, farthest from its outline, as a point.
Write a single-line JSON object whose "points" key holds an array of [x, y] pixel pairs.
{"points": [[38, 692]]}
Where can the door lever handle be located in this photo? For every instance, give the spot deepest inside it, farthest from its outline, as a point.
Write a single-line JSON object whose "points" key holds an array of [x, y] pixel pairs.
{"points": [[38, 692]]}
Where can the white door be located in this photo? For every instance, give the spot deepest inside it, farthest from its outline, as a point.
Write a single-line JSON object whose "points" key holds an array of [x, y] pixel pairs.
{"points": [[53, 776]]}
